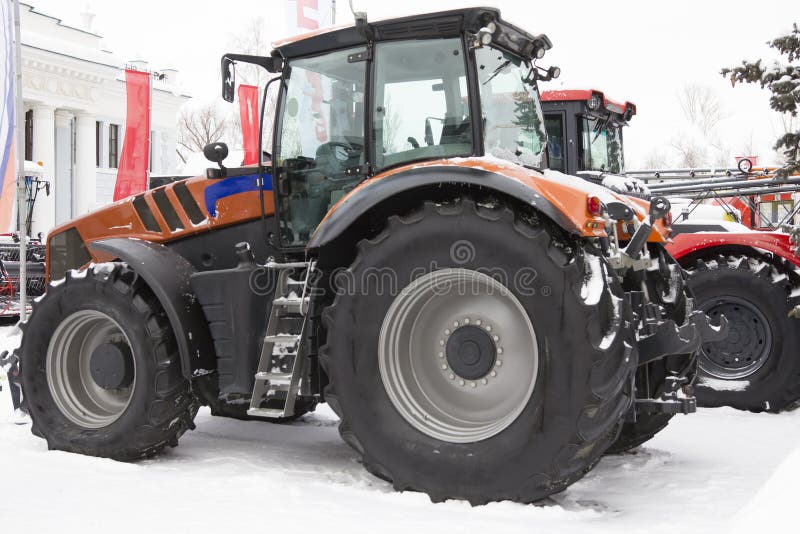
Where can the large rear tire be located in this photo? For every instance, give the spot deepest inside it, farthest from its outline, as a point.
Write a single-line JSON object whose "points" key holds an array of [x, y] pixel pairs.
{"points": [[757, 367], [100, 367], [417, 383]]}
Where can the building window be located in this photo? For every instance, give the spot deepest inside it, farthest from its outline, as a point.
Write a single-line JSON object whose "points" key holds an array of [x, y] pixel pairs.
{"points": [[29, 135], [97, 135], [113, 146]]}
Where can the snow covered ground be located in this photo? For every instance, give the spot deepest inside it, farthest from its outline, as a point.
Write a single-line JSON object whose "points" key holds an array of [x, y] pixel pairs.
{"points": [[715, 471]]}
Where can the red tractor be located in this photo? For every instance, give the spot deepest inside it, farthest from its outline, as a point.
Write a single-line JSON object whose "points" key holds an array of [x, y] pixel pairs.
{"points": [[750, 277]]}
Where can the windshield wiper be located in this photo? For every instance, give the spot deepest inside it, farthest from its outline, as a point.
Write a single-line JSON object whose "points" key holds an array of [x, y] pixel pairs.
{"points": [[498, 70], [601, 127], [531, 167]]}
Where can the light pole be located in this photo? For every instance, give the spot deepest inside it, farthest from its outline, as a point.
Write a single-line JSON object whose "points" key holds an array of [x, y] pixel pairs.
{"points": [[19, 134]]}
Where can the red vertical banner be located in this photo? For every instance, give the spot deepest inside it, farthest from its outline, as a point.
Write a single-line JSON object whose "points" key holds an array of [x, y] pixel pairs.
{"points": [[248, 112], [8, 161], [132, 172]]}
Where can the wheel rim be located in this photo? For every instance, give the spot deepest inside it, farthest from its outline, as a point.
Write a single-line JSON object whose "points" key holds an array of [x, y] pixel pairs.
{"points": [[69, 369], [437, 367], [745, 349]]}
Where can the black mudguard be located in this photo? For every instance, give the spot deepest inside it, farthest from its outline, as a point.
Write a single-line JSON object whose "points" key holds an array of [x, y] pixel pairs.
{"points": [[383, 189], [168, 273]]}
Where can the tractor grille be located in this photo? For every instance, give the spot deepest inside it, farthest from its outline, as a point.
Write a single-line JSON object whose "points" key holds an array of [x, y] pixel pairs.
{"points": [[145, 214], [166, 209], [67, 251]]}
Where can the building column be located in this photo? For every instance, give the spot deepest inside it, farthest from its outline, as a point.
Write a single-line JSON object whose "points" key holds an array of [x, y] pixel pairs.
{"points": [[61, 187], [85, 163], [44, 150]]}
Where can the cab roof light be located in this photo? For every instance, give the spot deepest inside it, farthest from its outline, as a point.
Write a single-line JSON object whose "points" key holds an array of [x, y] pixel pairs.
{"points": [[595, 101]]}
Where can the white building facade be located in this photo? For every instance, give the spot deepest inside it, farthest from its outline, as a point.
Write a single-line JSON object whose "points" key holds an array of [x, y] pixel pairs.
{"points": [[74, 109]]}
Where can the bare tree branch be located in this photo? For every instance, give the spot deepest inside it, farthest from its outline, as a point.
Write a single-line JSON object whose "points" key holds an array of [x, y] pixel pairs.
{"points": [[200, 126], [701, 107]]}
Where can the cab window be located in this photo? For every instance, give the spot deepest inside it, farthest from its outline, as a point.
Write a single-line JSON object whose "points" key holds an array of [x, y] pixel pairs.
{"points": [[421, 107]]}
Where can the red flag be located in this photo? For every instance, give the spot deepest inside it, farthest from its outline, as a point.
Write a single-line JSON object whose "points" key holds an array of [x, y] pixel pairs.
{"points": [[132, 172], [8, 162], [248, 111]]}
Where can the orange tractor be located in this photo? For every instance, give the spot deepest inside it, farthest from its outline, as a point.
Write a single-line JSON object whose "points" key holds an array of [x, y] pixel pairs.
{"points": [[475, 321]]}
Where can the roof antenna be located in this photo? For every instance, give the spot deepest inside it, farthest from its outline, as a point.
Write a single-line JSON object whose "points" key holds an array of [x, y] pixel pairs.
{"points": [[357, 14], [361, 22]]}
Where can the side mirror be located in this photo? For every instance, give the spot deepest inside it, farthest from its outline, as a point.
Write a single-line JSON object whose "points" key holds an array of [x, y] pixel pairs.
{"points": [[216, 153], [228, 80]]}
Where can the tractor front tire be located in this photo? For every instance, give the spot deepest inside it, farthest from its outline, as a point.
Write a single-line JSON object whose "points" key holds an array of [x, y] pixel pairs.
{"points": [[100, 367], [469, 386], [757, 367]]}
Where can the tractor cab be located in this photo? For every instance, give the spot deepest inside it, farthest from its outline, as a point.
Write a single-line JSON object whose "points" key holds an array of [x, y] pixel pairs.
{"points": [[584, 131], [384, 95]]}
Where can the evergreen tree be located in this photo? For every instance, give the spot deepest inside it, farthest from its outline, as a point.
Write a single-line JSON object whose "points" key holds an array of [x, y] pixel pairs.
{"points": [[783, 80]]}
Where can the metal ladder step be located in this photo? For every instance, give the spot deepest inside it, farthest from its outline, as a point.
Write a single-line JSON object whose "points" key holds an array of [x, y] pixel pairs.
{"points": [[275, 379], [282, 338], [272, 413], [274, 393], [292, 304], [289, 265]]}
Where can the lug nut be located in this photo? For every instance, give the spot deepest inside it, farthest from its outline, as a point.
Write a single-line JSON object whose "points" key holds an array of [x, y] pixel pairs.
{"points": [[460, 382], [478, 322], [499, 350], [493, 373], [455, 324], [496, 338], [484, 381], [444, 367], [488, 328], [499, 363], [447, 331], [441, 354], [473, 384], [441, 342], [451, 376]]}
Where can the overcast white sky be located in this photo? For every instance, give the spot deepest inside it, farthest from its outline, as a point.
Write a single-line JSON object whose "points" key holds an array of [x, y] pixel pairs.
{"points": [[642, 51]]}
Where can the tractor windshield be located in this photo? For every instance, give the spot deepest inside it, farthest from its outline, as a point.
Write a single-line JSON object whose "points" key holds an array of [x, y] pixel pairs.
{"points": [[601, 145], [512, 114]]}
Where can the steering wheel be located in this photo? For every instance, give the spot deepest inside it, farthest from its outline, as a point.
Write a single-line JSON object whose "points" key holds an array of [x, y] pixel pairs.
{"points": [[334, 156]]}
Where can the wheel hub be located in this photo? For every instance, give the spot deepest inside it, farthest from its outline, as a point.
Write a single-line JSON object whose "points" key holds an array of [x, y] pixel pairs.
{"points": [[745, 349], [471, 352], [111, 365], [90, 369], [450, 372]]}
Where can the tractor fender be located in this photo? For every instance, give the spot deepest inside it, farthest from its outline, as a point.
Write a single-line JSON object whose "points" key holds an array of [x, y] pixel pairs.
{"points": [[688, 245], [167, 273], [381, 188]]}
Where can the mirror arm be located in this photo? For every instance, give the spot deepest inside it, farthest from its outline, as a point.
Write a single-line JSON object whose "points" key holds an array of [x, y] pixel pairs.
{"points": [[271, 64]]}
